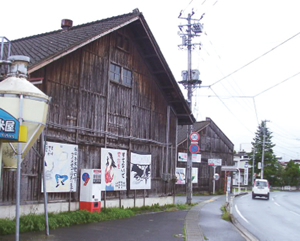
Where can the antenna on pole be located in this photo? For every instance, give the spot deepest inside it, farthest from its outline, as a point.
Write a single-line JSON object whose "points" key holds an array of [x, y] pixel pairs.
{"points": [[190, 81]]}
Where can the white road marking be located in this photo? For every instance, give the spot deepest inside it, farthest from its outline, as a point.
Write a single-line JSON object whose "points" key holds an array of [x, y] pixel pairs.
{"points": [[277, 204], [237, 210], [295, 213]]}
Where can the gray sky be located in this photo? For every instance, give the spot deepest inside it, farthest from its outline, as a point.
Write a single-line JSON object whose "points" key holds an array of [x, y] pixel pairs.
{"points": [[250, 56]]}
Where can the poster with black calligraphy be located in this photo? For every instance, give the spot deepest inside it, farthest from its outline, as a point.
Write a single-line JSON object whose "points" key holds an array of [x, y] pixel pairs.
{"points": [[61, 162], [113, 166]]}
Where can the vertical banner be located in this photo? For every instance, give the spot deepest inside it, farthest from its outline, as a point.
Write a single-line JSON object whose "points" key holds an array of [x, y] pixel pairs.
{"points": [[246, 176], [180, 175], [113, 166], [194, 175], [228, 184], [61, 161], [140, 171]]}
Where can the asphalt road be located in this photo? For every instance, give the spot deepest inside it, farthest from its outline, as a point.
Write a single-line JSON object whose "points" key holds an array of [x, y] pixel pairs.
{"points": [[276, 219]]}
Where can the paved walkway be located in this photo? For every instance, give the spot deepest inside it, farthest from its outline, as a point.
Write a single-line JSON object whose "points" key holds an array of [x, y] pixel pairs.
{"points": [[202, 222]]}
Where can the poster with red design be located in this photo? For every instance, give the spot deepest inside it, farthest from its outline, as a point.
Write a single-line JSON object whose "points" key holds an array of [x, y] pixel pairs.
{"points": [[113, 166]]}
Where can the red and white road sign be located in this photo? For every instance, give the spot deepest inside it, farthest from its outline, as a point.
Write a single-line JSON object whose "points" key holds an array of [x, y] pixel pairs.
{"points": [[194, 148], [194, 136]]}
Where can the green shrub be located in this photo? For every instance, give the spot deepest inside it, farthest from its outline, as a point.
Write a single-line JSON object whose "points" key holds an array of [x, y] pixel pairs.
{"points": [[7, 226], [33, 222]]}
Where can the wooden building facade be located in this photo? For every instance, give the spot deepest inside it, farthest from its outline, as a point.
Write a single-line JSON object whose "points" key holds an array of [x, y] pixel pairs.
{"points": [[110, 87], [214, 144]]}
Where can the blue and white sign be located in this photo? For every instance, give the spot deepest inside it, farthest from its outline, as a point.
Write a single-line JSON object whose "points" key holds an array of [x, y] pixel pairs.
{"points": [[9, 126]]}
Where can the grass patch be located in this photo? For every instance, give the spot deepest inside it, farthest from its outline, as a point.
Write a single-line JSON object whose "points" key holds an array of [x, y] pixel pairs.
{"points": [[225, 214], [33, 222]]}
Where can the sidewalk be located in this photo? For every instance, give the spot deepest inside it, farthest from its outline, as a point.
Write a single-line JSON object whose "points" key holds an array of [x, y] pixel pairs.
{"points": [[203, 220]]}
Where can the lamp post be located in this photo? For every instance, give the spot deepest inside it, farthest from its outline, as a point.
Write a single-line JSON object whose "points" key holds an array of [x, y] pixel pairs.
{"points": [[29, 105]]}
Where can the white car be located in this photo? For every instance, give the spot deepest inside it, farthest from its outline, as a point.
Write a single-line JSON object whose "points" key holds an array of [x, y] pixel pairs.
{"points": [[261, 188]]}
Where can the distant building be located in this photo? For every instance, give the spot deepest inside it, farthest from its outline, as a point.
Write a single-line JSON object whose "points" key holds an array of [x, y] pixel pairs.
{"points": [[241, 161], [214, 144]]}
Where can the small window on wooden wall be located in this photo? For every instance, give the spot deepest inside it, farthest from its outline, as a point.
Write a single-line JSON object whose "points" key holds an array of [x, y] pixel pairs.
{"points": [[115, 73], [120, 74], [123, 42]]}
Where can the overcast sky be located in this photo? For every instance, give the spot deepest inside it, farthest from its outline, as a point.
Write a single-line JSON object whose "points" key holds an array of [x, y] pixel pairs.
{"points": [[250, 56]]}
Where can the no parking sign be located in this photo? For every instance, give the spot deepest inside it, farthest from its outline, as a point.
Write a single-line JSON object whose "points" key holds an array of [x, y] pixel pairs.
{"points": [[194, 148]]}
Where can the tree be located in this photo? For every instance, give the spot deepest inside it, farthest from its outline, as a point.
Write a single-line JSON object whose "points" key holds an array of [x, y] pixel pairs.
{"points": [[291, 174], [271, 167]]}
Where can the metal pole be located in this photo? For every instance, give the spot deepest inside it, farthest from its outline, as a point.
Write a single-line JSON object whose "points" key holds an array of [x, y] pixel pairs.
{"points": [[214, 181], [19, 159], [253, 164], [239, 184], [0, 163], [263, 152], [44, 184], [189, 187]]}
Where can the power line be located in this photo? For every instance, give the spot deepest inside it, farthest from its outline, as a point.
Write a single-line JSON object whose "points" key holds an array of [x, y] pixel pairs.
{"points": [[256, 59], [277, 84], [230, 110]]}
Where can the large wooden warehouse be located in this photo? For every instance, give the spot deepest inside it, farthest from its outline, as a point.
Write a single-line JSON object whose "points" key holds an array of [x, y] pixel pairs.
{"points": [[110, 88]]}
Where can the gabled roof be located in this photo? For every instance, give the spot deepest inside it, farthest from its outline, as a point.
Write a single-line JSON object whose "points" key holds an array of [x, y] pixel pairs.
{"points": [[197, 127], [48, 47]]}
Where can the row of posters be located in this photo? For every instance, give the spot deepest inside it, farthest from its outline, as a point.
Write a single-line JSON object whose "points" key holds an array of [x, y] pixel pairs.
{"points": [[114, 175], [182, 157], [61, 164]]}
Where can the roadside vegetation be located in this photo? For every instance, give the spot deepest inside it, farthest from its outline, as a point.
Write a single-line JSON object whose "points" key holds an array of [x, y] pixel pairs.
{"points": [[33, 222], [226, 215]]}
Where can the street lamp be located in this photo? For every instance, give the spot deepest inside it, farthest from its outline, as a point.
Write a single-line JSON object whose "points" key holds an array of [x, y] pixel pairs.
{"points": [[29, 106]]}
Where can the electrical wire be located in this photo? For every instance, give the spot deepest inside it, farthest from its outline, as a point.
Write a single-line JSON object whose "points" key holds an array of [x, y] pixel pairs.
{"points": [[230, 111], [277, 84], [256, 59]]}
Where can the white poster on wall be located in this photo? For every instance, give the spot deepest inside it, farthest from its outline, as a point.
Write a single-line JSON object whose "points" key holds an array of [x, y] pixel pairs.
{"points": [[61, 161], [182, 157], [180, 175], [113, 166], [195, 175], [140, 171]]}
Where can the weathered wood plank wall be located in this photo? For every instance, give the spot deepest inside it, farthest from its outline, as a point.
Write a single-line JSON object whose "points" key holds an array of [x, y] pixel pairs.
{"points": [[93, 112]]}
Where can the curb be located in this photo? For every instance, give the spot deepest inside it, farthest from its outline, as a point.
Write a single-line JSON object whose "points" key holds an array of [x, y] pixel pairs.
{"points": [[193, 231], [247, 235]]}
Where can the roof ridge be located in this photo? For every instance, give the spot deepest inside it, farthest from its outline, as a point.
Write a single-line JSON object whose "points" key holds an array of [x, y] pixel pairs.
{"points": [[79, 26]]}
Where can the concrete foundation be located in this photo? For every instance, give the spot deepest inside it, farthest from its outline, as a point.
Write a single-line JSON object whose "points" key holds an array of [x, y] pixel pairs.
{"points": [[10, 211]]}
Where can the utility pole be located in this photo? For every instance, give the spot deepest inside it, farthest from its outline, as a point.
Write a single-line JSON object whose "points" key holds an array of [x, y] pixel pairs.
{"points": [[253, 164], [263, 150], [190, 81]]}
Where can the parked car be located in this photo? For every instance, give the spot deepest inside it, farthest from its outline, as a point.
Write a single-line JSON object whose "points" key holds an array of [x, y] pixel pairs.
{"points": [[261, 188]]}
